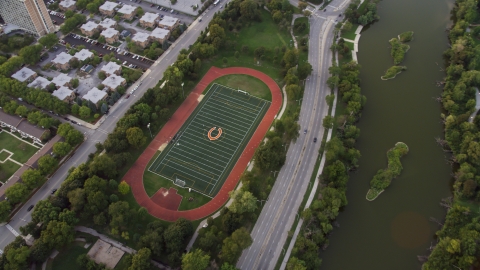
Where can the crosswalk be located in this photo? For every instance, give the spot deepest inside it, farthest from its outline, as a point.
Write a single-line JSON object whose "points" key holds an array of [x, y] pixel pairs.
{"points": [[12, 230]]}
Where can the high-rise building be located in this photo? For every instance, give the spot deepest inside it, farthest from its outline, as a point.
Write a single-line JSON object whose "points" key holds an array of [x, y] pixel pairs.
{"points": [[30, 15]]}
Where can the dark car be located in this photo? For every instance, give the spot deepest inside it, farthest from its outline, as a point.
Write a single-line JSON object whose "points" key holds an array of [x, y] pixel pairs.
{"points": [[315, 139], [30, 207], [127, 96], [54, 190], [305, 131]]}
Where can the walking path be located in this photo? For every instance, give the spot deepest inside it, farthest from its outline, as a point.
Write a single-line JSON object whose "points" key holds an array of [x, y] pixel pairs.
{"points": [[477, 106], [134, 176]]}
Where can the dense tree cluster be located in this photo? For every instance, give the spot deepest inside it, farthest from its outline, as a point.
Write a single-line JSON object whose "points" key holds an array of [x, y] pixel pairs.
{"points": [[71, 23], [364, 14], [459, 234]]}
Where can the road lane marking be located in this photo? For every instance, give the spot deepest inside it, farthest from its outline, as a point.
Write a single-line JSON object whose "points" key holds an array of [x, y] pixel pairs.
{"points": [[12, 230]]}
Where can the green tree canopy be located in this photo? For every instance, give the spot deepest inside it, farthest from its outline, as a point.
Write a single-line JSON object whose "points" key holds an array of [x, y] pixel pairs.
{"points": [[196, 260]]}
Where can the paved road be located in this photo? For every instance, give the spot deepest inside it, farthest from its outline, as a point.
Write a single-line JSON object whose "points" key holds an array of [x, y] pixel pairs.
{"points": [[99, 135], [280, 211]]}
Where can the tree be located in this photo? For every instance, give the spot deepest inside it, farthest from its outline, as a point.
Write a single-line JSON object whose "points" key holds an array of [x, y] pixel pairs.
{"points": [[248, 9], [84, 112], [296, 264], [243, 201], [123, 188], [5, 209], [141, 260], [21, 111], [75, 83], [328, 122], [76, 198], [44, 212], [176, 234], [58, 234], [49, 40], [61, 148], [233, 245], [270, 155], [196, 260], [46, 164], [140, 12], [304, 70], [31, 54], [101, 39], [16, 258], [31, 178], [103, 166], [135, 137], [119, 214], [69, 14], [16, 193]]}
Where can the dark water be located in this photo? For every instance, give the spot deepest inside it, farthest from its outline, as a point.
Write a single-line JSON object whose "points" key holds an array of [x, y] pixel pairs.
{"points": [[391, 231]]}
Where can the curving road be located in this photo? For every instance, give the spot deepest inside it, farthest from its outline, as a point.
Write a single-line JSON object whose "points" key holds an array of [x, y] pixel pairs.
{"points": [[150, 79], [271, 230]]}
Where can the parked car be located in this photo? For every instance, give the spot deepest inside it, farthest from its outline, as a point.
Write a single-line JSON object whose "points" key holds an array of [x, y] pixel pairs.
{"points": [[54, 190], [30, 207], [127, 96], [315, 139]]}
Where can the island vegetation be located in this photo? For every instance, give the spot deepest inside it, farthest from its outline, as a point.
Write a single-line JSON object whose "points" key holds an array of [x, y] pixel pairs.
{"points": [[392, 72], [406, 36], [398, 50], [384, 177]]}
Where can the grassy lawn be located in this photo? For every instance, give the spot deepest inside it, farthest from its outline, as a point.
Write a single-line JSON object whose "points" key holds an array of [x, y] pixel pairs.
{"points": [[350, 34], [350, 45], [252, 85], [304, 31], [7, 169], [3, 156], [153, 182], [372, 194], [122, 264], [21, 150], [393, 71], [67, 258]]}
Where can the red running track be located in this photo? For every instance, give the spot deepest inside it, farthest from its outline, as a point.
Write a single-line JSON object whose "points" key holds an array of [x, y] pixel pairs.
{"points": [[134, 176]]}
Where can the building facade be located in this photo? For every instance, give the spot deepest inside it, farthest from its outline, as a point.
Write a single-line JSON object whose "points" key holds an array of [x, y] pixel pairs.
{"points": [[31, 15]]}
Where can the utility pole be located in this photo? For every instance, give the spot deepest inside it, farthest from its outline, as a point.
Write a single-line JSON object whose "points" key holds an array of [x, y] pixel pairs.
{"points": [[183, 92], [148, 126]]}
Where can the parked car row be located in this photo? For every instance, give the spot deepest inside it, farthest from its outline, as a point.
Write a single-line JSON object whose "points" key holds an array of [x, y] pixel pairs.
{"points": [[58, 14]]}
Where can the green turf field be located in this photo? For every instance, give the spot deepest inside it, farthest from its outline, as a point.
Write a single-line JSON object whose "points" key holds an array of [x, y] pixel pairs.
{"points": [[22, 151], [204, 164]]}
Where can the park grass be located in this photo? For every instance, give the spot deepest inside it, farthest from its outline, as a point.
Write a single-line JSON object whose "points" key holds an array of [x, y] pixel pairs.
{"points": [[398, 50], [153, 182], [3, 156], [7, 169], [351, 33], [67, 258], [392, 72], [122, 264], [252, 85], [406, 36], [21, 151], [304, 31]]}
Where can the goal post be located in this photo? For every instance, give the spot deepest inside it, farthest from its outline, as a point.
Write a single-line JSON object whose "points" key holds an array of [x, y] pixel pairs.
{"points": [[243, 92], [179, 182]]}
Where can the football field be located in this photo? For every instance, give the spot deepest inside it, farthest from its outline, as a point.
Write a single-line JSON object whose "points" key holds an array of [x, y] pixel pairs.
{"points": [[204, 151]]}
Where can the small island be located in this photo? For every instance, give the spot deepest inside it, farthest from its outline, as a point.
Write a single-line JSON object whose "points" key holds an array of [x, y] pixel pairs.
{"points": [[398, 50], [406, 36], [392, 72], [384, 177]]}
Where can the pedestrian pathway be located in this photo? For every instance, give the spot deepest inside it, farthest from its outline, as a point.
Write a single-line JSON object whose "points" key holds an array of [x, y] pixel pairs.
{"points": [[477, 106]]}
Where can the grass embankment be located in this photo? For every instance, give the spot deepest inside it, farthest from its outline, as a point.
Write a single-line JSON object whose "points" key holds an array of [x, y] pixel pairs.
{"points": [[406, 36], [22, 151], [301, 27], [383, 178], [252, 85], [398, 50], [350, 34], [392, 72]]}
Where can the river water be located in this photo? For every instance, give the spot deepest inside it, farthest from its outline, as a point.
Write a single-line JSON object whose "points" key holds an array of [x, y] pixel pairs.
{"points": [[391, 231]]}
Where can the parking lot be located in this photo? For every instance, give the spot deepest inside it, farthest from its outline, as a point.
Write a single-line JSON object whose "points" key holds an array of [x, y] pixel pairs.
{"points": [[139, 61], [155, 6]]}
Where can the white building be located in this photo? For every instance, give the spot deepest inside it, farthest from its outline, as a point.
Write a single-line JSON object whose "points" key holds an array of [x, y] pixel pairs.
{"points": [[83, 55], [107, 23], [62, 80], [67, 5], [141, 39], [39, 82], [110, 34], [108, 8], [64, 94], [168, 22], [95, 95], [160, 34], [25, 74], [149, 19], [112, 68], [89, 28], [62, 60], [127, 11], [114, 81]]}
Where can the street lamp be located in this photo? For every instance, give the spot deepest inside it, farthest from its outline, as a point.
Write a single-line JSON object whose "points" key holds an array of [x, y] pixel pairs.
{"points": [[183, 93], [274, 173], [299, 100], [148, 126]]}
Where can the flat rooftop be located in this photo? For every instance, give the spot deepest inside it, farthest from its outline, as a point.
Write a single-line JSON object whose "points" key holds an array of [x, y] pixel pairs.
{"points": [[95, 95], [149, 17], [109, 32], [23, 74], [127, 9], [83, 55], [108, 23], [113, 81], [140, 37], [160, 33], [168, 21], [67, 3], [39, 82], [61, 79], [62, 92], [89, 26], [110, 6], [111, 67], [62, 58]]}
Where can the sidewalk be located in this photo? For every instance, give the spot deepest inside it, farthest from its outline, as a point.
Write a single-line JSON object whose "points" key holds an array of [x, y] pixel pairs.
{"points": [[115, 244]]}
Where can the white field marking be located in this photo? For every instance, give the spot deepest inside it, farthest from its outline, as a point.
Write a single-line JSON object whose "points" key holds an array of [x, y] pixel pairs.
{"points": [[234, 113], [12, 230], [225, 120], [185, 173], [238, 107], [196, 143], [168, 178], [195, 161], [227, 87], [202, 152], [240, 100]]}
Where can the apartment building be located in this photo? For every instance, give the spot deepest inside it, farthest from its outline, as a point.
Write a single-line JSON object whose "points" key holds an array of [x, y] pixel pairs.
{"points": [[30, 15]]}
